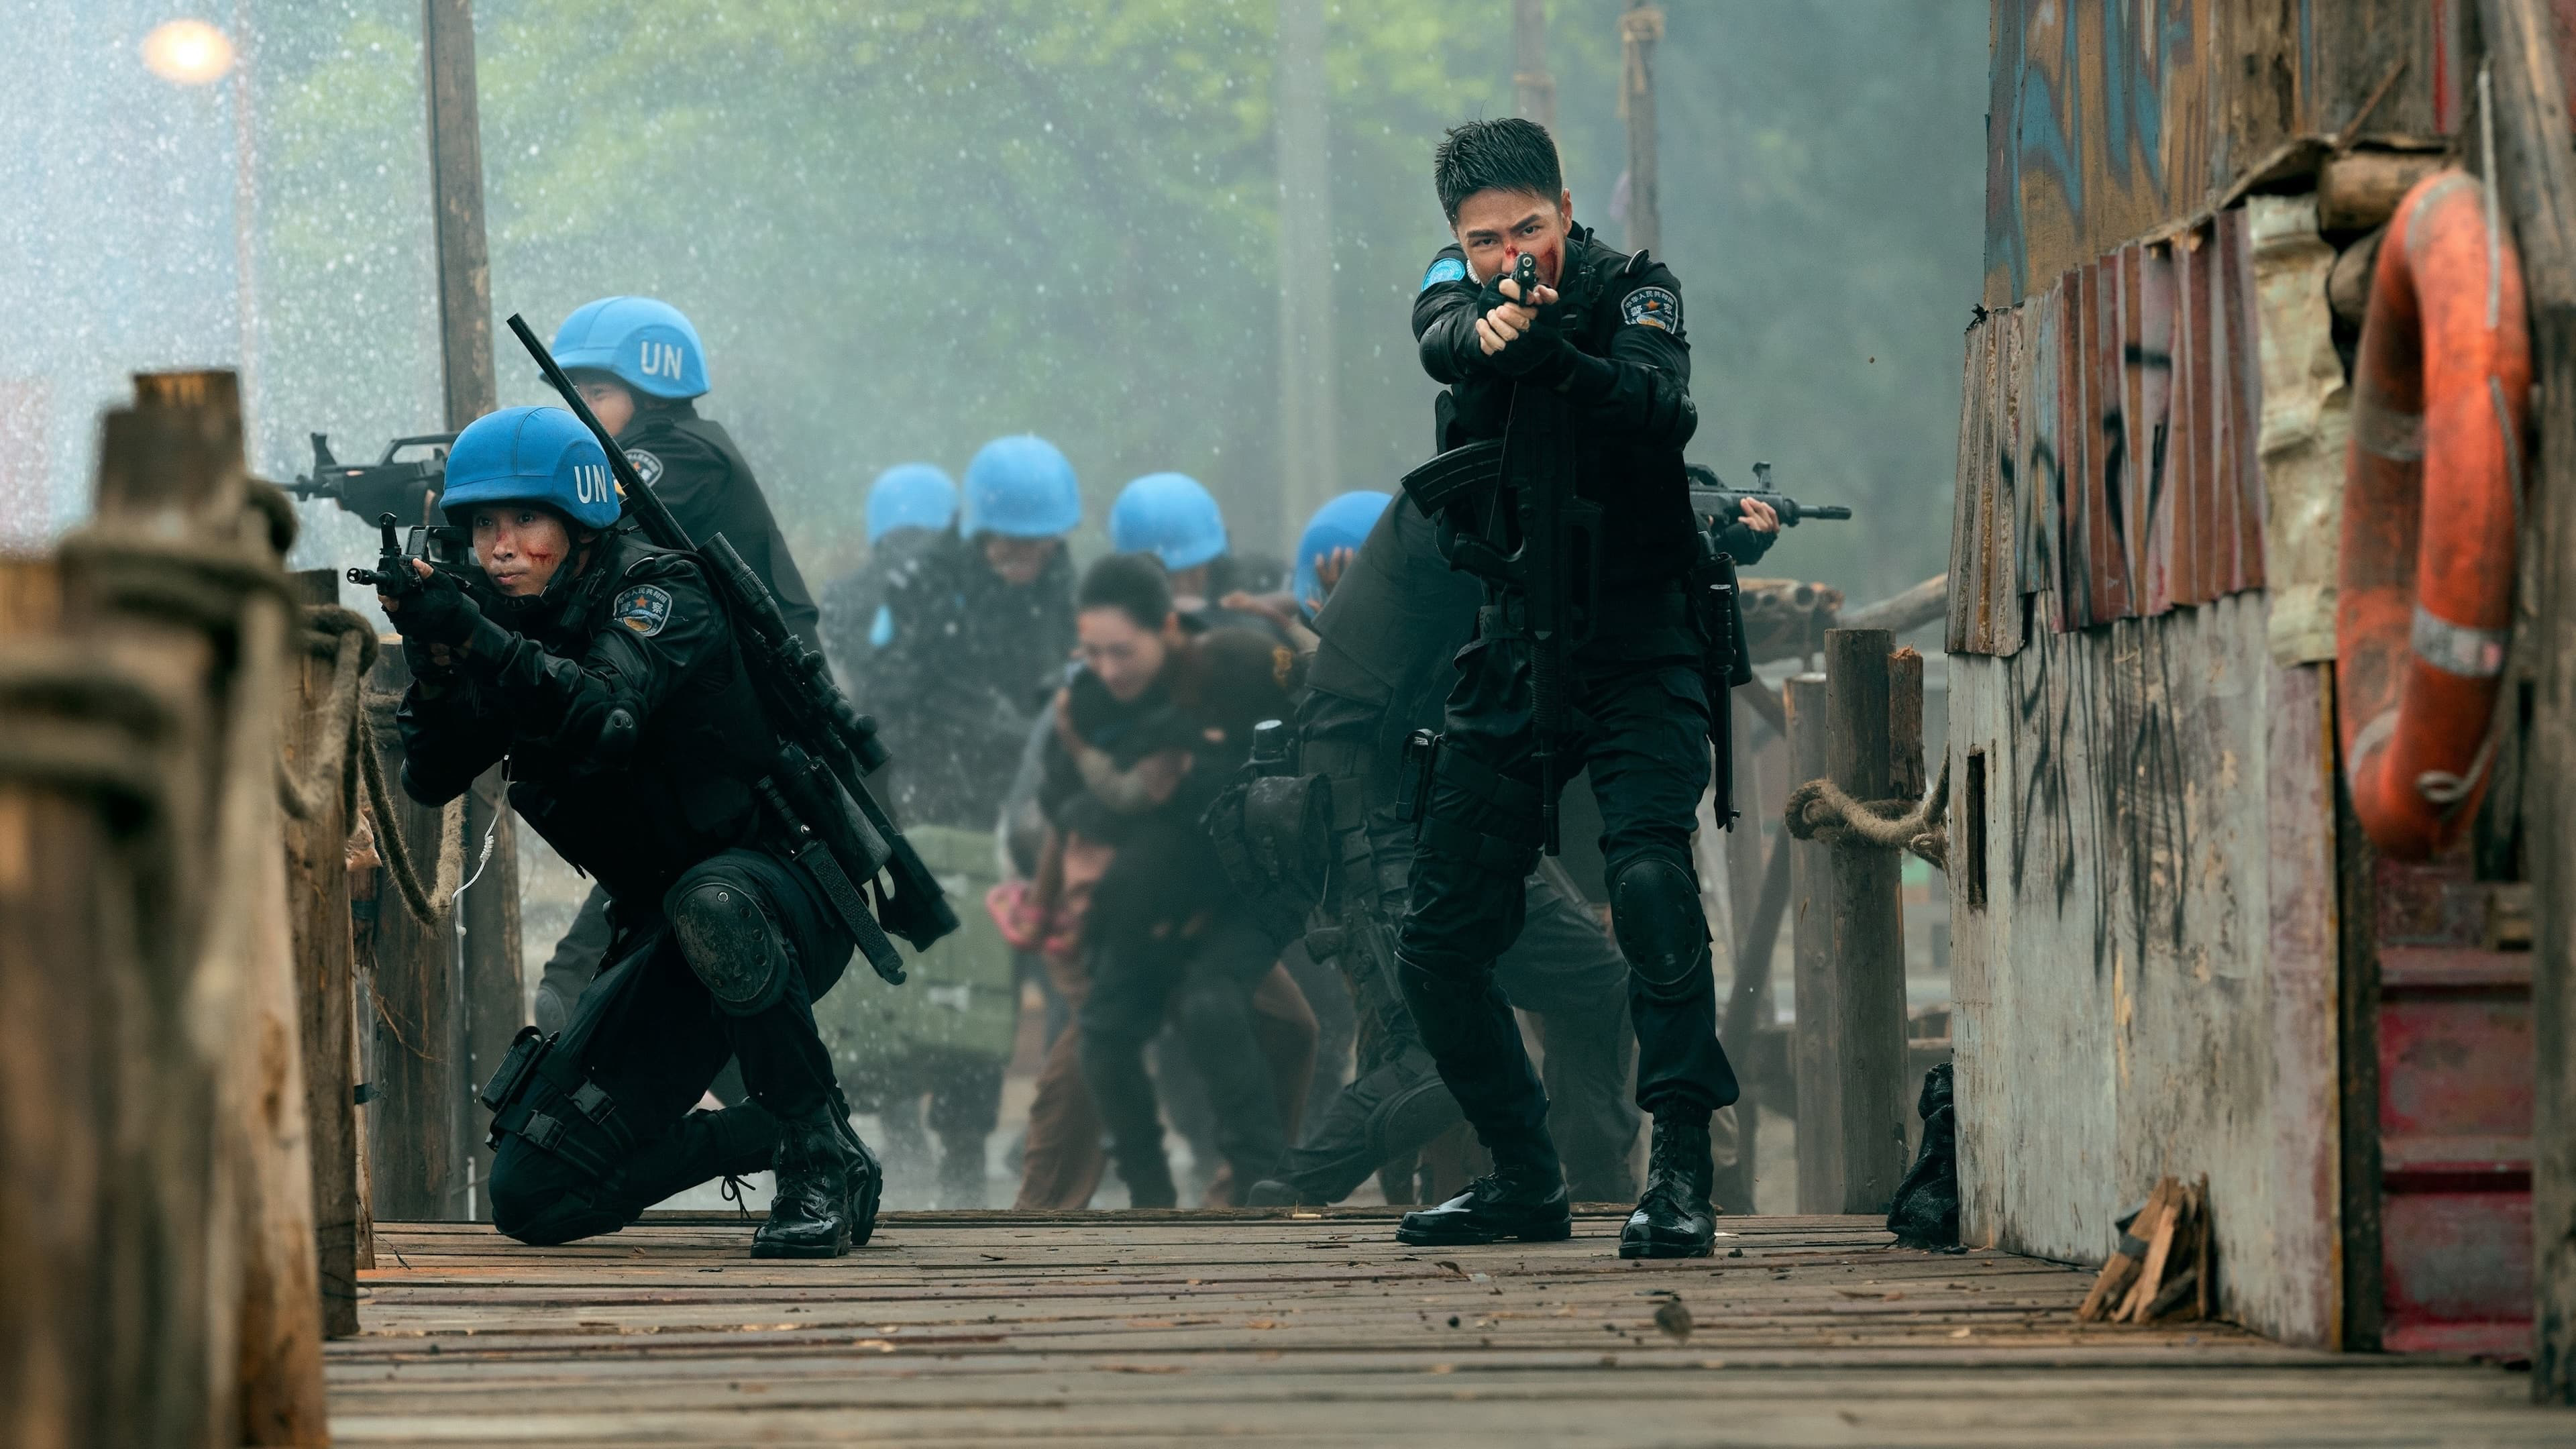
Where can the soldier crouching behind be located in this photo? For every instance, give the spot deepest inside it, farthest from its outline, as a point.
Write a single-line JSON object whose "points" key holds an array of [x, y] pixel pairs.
{"points": [[605, 671]]}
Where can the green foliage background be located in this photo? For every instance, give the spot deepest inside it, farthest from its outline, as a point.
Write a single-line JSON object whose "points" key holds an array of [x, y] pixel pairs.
{"points": [[906, 226]]}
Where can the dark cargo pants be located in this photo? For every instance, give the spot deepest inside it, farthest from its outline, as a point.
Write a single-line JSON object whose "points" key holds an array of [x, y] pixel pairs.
{"points": [[656, 1042], [1641, 716]]}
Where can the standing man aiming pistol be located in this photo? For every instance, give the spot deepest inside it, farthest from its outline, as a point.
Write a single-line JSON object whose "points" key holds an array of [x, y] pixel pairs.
{"points": [[1580, 372]]}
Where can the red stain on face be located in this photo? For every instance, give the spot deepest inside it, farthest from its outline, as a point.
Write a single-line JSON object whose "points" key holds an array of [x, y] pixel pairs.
{"points": [[519, 547]]}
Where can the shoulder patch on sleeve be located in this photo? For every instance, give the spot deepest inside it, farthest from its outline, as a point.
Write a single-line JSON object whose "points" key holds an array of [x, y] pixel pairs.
{"points": [[1652, 307], [648, 466], [644, 608], [1446, 269]]}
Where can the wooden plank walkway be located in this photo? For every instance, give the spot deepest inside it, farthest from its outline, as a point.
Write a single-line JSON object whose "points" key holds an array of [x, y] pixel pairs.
{"points": [[1169, 1328]]}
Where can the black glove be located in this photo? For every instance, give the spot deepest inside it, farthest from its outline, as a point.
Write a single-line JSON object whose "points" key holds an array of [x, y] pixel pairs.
{"points": [[437, 612], [1540, 355]]}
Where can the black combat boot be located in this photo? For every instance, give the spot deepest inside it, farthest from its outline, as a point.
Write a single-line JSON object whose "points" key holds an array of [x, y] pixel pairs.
{"points": [[825, 1177], [1148, 1175], [1523, 1197], [1673, 1219]]}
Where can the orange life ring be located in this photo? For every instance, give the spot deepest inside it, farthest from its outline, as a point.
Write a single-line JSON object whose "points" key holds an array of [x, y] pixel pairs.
{"points": [[2432, 503]]}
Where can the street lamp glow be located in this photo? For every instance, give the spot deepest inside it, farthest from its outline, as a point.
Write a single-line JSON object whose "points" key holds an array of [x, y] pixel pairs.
{"points": [[190, 52]]}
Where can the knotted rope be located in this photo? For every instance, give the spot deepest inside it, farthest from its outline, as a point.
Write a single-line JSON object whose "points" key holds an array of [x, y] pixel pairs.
{"points": [[344, 637], [422, 903], [1820, 810]]}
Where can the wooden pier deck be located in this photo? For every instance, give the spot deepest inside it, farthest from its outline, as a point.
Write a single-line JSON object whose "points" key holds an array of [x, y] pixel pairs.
{"points": [[1135, 1329]]}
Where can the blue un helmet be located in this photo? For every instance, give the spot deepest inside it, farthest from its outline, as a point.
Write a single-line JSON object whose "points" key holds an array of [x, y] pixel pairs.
{"points": [[1169, 516], [910, 495], [644, 344], [1343, 523], [530, 455], [1021, 487]]}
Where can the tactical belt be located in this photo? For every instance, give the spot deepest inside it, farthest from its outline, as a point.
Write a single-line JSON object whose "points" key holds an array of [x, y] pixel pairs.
{"points": [[542, 1093]]}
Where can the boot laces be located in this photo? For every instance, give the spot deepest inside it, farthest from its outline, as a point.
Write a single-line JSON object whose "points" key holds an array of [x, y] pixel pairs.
{"points": [[731, 1190], [1667, 1171]]}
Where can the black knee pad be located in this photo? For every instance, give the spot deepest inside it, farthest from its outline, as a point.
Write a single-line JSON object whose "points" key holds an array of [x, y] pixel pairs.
{"points": [[1654, 907], [729, 940]]}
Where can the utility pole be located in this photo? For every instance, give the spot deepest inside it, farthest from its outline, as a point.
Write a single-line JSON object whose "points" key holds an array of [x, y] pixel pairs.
{"points": [[487, 912], [1309, 445], [1639, 28], [1531, 81]]}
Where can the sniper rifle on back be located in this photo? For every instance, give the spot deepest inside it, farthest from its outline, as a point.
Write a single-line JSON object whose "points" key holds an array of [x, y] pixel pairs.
{"points": [[846, 840]]}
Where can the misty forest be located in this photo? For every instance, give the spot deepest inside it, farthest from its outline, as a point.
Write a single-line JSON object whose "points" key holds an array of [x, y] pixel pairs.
{"points": [[906, 226]]}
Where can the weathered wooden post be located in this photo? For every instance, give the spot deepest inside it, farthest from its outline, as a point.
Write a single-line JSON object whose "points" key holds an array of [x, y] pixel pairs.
{"points": [[1851, 1033], [155, 1224], [320, 772], [2529, 106], [1811, 869], [495, 1002], [245, 950], [1640, 26], [418, 1151]]}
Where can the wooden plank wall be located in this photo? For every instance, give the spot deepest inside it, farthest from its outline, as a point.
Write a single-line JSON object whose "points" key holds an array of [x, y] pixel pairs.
{"points": [[2107, 123], [2137, 996], [2108, 431]]}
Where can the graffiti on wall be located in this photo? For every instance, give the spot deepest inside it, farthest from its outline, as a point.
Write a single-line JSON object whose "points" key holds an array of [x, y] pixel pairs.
{"points": [[2111, 120], [2108, 465]]}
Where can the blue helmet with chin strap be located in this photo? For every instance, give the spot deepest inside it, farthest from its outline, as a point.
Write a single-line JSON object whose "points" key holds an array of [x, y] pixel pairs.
{"points": [[643, 343], [1021, 487], [1343, 523], [530, 455], [1169, 516], [910, 495]]}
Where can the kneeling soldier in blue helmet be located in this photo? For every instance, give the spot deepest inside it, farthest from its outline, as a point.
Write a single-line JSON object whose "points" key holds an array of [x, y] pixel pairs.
{"points": [[641, 368], [603, 669]]}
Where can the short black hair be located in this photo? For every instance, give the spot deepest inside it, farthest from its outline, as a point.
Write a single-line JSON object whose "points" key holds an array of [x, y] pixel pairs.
{"points": [[1505, 154], [1133, 582]]}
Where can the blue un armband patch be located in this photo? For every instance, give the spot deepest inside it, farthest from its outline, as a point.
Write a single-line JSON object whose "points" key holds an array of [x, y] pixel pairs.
{"points": [[643, 608], [1446, 269]]}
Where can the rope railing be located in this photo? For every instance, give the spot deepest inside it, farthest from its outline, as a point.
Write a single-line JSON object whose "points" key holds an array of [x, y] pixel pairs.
{"points": [[1820, 810]]}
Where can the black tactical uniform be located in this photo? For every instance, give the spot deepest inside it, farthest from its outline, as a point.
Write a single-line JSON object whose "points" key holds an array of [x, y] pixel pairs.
{"points": [[973, 659], [1389, 630], [633, 738], [1613, 347], [692, 465]]}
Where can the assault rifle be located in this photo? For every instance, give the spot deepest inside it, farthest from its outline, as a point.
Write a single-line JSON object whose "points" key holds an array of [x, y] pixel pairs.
{"points": [[844, 838], [1712, 499], [448, 550], [392, 484]]}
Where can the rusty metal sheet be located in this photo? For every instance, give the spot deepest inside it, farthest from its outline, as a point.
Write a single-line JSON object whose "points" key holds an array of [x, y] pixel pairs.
{"points": [[2109, 122], [2039, 472], [2151, 424], [1968, 488], [2074, 420], [2245, 399], [2106, 532], [2192, 580]]}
